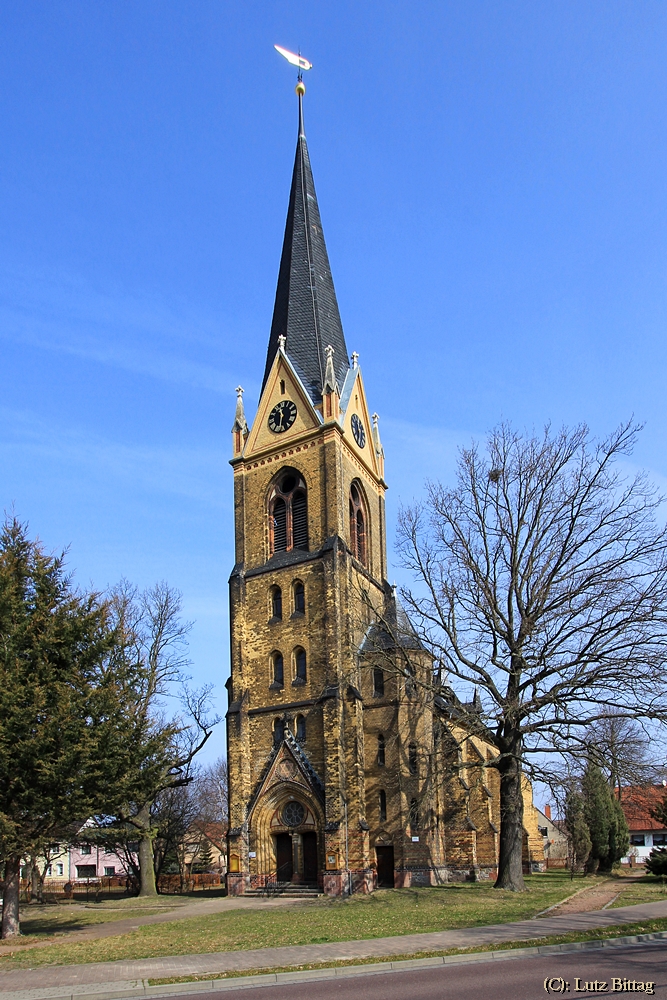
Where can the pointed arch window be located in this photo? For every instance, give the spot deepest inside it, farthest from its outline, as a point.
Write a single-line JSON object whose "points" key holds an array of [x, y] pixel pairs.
{"points": [[278, 730], [276, 603], [288, 514], [381, 750], [299, 598], [378, 683], [299, 666], [413, 816], [383, 805], [413, 763], [277, 670], [301, 728], [357, 524]]}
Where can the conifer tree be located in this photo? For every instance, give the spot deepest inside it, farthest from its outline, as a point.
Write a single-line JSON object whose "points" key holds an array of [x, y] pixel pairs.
{"points": [[577, 830], [63, 739], [598, 815]]}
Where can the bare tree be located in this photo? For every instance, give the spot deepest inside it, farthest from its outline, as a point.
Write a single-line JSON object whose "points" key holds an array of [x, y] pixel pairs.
{"points": [[163, 747], [541, 582], [621, 748]]}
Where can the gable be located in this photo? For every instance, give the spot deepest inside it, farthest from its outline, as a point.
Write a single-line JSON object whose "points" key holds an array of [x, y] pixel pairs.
{"points": [[356, 412], [282, 385]]}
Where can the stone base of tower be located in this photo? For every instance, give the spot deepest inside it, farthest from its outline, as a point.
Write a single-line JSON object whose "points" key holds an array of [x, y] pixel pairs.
{"points": [[238, 883]]}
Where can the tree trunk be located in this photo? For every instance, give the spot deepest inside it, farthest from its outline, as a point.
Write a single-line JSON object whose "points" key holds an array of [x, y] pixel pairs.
{"points": [[147, 886], [510, 867], [10, 900]]}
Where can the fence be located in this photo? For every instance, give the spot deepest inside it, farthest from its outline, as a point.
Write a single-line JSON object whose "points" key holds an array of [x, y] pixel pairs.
{"points": [[117, 887]]}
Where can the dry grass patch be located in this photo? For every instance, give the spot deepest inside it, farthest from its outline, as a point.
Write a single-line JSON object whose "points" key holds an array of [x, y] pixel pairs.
{"points": [[386, 913]]}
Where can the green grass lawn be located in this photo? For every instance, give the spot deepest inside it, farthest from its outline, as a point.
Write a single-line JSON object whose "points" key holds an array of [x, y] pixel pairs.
{"points": [[385, 913], [648, 889], [39, 922]]}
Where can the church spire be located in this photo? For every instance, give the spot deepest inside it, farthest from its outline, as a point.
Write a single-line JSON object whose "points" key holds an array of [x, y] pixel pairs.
{"points": [[306, 310]]}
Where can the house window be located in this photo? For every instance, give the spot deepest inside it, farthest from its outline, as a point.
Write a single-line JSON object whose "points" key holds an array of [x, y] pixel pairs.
{"points": [[86, 871], [48, 871], [357, 525], [60, 870], [660, 839], [110, 870], [277, 670], [413, 816], [278, 731], [300, 665], [413, 764], [288, 514], [383, 805], [380, 750], [85, 849], [378, 683], [276, 603], [301, 728], [299, 598], [637, 839]]}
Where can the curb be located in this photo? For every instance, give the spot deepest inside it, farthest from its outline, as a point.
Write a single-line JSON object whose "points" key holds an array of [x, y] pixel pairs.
{"points": [[141, 990]]}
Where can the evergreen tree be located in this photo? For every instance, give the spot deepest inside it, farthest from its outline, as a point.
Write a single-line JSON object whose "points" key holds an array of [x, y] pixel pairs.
{"points": [[597, 813], [619, 835], [63, 741], [577, 830], [204, 862]]}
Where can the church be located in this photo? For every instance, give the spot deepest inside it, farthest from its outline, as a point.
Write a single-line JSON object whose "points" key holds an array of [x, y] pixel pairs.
{"points": [[348, 770]]}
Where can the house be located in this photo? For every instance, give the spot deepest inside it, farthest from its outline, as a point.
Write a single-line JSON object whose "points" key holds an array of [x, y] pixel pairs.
{"points": [[555, 839], [638, 803], [198, 838]]}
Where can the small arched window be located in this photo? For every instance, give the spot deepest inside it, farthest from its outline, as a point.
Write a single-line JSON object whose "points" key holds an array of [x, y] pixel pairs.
{"points": [[278, 730], [413, 816], [378, 683], [413, 764], [380, 750], [301, 728], [383, 805], [299, 665], [276, 603], [299, 598], [357, 525], [288, 514], [278, 669]]}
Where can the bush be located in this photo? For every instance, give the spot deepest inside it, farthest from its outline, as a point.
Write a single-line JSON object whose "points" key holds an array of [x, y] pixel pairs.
{"points": [[656, 863]]}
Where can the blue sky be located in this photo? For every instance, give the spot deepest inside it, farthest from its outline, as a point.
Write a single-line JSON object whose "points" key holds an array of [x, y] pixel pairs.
{"points": [[491, 178]]}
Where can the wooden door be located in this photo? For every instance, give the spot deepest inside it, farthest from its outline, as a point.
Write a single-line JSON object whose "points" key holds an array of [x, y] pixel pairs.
{"points": [[310, 857], [284, 857], [385, 859]]}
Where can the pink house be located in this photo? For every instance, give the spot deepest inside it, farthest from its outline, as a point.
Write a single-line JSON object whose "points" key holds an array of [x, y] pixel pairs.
{"points": [[90, 861]]}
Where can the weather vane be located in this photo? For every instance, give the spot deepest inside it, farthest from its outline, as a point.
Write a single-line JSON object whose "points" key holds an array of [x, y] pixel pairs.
{"points": [[296, 59]]}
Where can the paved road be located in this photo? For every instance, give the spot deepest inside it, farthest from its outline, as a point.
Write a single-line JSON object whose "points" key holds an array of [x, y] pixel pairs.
{"points": [[514, 979], [269, 958]]}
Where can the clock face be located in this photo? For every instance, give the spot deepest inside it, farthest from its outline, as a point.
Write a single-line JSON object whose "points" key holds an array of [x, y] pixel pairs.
{"points": [[282, 416], [358, 430]]}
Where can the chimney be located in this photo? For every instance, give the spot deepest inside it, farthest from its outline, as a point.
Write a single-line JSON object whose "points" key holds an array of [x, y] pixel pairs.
{"points": [[547, 811]]}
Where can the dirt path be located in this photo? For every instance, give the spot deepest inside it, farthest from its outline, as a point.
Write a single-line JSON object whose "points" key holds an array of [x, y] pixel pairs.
{"points": [[596, 897]]}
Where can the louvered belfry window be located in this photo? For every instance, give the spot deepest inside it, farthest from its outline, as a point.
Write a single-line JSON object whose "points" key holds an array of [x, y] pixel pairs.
{"points": [[357, 525], [288, 514]]}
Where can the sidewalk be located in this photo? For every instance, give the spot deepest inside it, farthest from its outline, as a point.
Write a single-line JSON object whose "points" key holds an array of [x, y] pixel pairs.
{"points": [[52, 981]]}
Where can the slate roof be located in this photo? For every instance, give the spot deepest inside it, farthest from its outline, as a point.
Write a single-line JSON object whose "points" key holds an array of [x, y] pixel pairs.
{"points": [[306, 310], [395, 632]]}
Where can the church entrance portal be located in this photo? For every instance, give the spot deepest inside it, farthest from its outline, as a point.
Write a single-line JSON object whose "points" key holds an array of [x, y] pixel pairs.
{"points": [[385, 856], [310, 857], [284, 857]]}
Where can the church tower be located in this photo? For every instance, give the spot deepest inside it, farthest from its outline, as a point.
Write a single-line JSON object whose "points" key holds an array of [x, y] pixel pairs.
{"points": [[310, 560], [334, 773]]}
